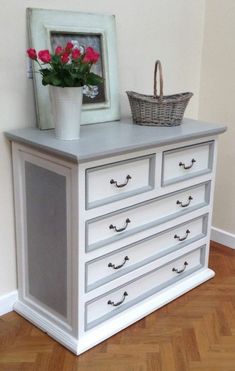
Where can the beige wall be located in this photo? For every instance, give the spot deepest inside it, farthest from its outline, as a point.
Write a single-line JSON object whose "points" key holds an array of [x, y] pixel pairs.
{"points": [[217, 101], [166, 29]]}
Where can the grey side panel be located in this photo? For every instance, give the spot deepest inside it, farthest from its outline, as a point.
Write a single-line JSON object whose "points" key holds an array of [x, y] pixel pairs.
{"points": [[47, 236]]}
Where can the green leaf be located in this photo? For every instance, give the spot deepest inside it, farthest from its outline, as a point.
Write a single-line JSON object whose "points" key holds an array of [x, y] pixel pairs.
{"points": [[69, 75], [69, 81], [56, 81], [93, 79], [56, 59], [45, 71], [46, 79], [75, 74], [44, 82], [84, 68]]}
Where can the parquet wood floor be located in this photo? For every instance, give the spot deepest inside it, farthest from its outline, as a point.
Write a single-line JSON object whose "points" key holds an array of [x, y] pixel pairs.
{"points": [[195, 332]]}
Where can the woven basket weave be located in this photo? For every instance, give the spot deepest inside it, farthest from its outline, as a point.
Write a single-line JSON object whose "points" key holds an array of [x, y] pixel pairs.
{"points": [[158, 110]]}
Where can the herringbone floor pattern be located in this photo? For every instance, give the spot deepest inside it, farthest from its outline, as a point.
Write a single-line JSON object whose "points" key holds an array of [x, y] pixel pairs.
{"points": [[195, 332]]}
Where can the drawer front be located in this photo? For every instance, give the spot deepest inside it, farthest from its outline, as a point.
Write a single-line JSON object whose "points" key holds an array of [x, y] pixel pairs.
{"points": [[114, 302], [183, 163], [112, 182], [114, 265], [105, 230]]}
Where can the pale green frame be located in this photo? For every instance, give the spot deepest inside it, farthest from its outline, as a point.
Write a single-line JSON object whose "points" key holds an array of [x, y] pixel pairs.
{"points": [[40, 23]]}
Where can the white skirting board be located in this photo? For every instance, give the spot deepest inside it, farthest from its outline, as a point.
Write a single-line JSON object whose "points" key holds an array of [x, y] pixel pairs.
{"points": [[7, 302], [223, 237]]}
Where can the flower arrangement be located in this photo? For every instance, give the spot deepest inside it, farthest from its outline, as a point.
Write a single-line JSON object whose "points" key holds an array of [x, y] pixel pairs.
{"points": [[68, 66]]}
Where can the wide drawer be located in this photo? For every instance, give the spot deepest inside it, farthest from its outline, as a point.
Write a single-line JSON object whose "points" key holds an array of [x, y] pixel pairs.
{"points": [[184, 163], [112, 227], [122, 261], [115, 181], [114, 302]]}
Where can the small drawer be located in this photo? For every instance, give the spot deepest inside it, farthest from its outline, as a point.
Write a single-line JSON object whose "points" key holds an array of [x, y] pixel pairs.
{"points": [[187, 162], [115, 181], [125, 260], [116, 301], [115, 226]]}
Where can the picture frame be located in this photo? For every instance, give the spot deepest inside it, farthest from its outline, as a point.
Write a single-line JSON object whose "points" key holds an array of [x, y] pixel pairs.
{"points": [[47, 28]]}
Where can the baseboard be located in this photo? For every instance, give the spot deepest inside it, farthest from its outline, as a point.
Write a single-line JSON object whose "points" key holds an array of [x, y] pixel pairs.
{"points": [[223, 237], [7, 302]]}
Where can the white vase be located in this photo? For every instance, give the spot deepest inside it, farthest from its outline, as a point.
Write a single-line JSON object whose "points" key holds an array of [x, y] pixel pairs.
{"points": [[66, 106]]}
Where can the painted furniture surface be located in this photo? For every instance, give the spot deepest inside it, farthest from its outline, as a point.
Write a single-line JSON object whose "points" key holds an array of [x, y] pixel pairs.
{"points": [[111, 227]]}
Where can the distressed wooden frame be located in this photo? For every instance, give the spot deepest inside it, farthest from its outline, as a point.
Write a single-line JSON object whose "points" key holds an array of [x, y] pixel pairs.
{"points": [[41, 23]]}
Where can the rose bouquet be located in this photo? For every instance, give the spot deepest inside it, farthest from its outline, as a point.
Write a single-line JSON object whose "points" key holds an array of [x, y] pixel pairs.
{"points": [[67, 67]]}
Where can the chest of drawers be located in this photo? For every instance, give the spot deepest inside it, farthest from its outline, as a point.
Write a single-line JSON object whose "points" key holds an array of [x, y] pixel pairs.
{"points": [[111, 227]]}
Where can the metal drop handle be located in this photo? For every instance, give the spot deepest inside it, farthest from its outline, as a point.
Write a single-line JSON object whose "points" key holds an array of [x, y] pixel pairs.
{"points": [[112, 181], [180, 270], [182, 238], [185, 205], [189, 166], [110, 265], [120, 229], [119, 302]]}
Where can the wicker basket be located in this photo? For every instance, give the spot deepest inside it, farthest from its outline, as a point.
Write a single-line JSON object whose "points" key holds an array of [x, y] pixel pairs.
{"points": [[154, 110]]}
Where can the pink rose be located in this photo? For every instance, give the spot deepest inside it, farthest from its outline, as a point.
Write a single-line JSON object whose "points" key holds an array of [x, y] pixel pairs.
{"points": [[76, 53], [44, 56], [91, 56], [32, 53], [69, 46], [64, 58], [58, 50]]}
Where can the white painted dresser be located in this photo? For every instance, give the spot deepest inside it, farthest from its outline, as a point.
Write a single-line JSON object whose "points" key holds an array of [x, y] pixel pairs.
{"points": [[111, 227]]}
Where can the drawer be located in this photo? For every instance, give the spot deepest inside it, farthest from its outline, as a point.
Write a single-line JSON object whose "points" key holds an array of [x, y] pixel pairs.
{"points": [[184, 163], [115, 226], [116, 301], [115, 181], [114, 265]]}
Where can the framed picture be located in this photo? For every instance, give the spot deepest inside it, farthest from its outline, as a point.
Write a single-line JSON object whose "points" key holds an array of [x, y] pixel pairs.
{"points": [[49, 28]]}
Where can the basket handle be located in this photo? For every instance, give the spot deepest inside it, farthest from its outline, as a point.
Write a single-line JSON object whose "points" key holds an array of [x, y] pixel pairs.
{"points": [[158, 65]]}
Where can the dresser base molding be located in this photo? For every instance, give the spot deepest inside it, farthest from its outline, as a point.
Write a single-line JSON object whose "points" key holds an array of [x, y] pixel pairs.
{"points": [[46, 326], [105, 330]]}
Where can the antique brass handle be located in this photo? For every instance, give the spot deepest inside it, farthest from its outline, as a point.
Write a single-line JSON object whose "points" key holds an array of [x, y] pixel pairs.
{"points": [[189, 166], [119, 302], [120, 229], [180, 270], [182, 238], [112, 181], [118, 266], [185, 205]]}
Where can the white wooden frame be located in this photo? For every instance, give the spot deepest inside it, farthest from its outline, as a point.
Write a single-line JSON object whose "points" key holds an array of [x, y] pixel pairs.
{"points": [[41, 23]]}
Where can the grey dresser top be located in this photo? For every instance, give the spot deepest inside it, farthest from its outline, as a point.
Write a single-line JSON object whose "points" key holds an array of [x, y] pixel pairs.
{"points": [[106, 139]]}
